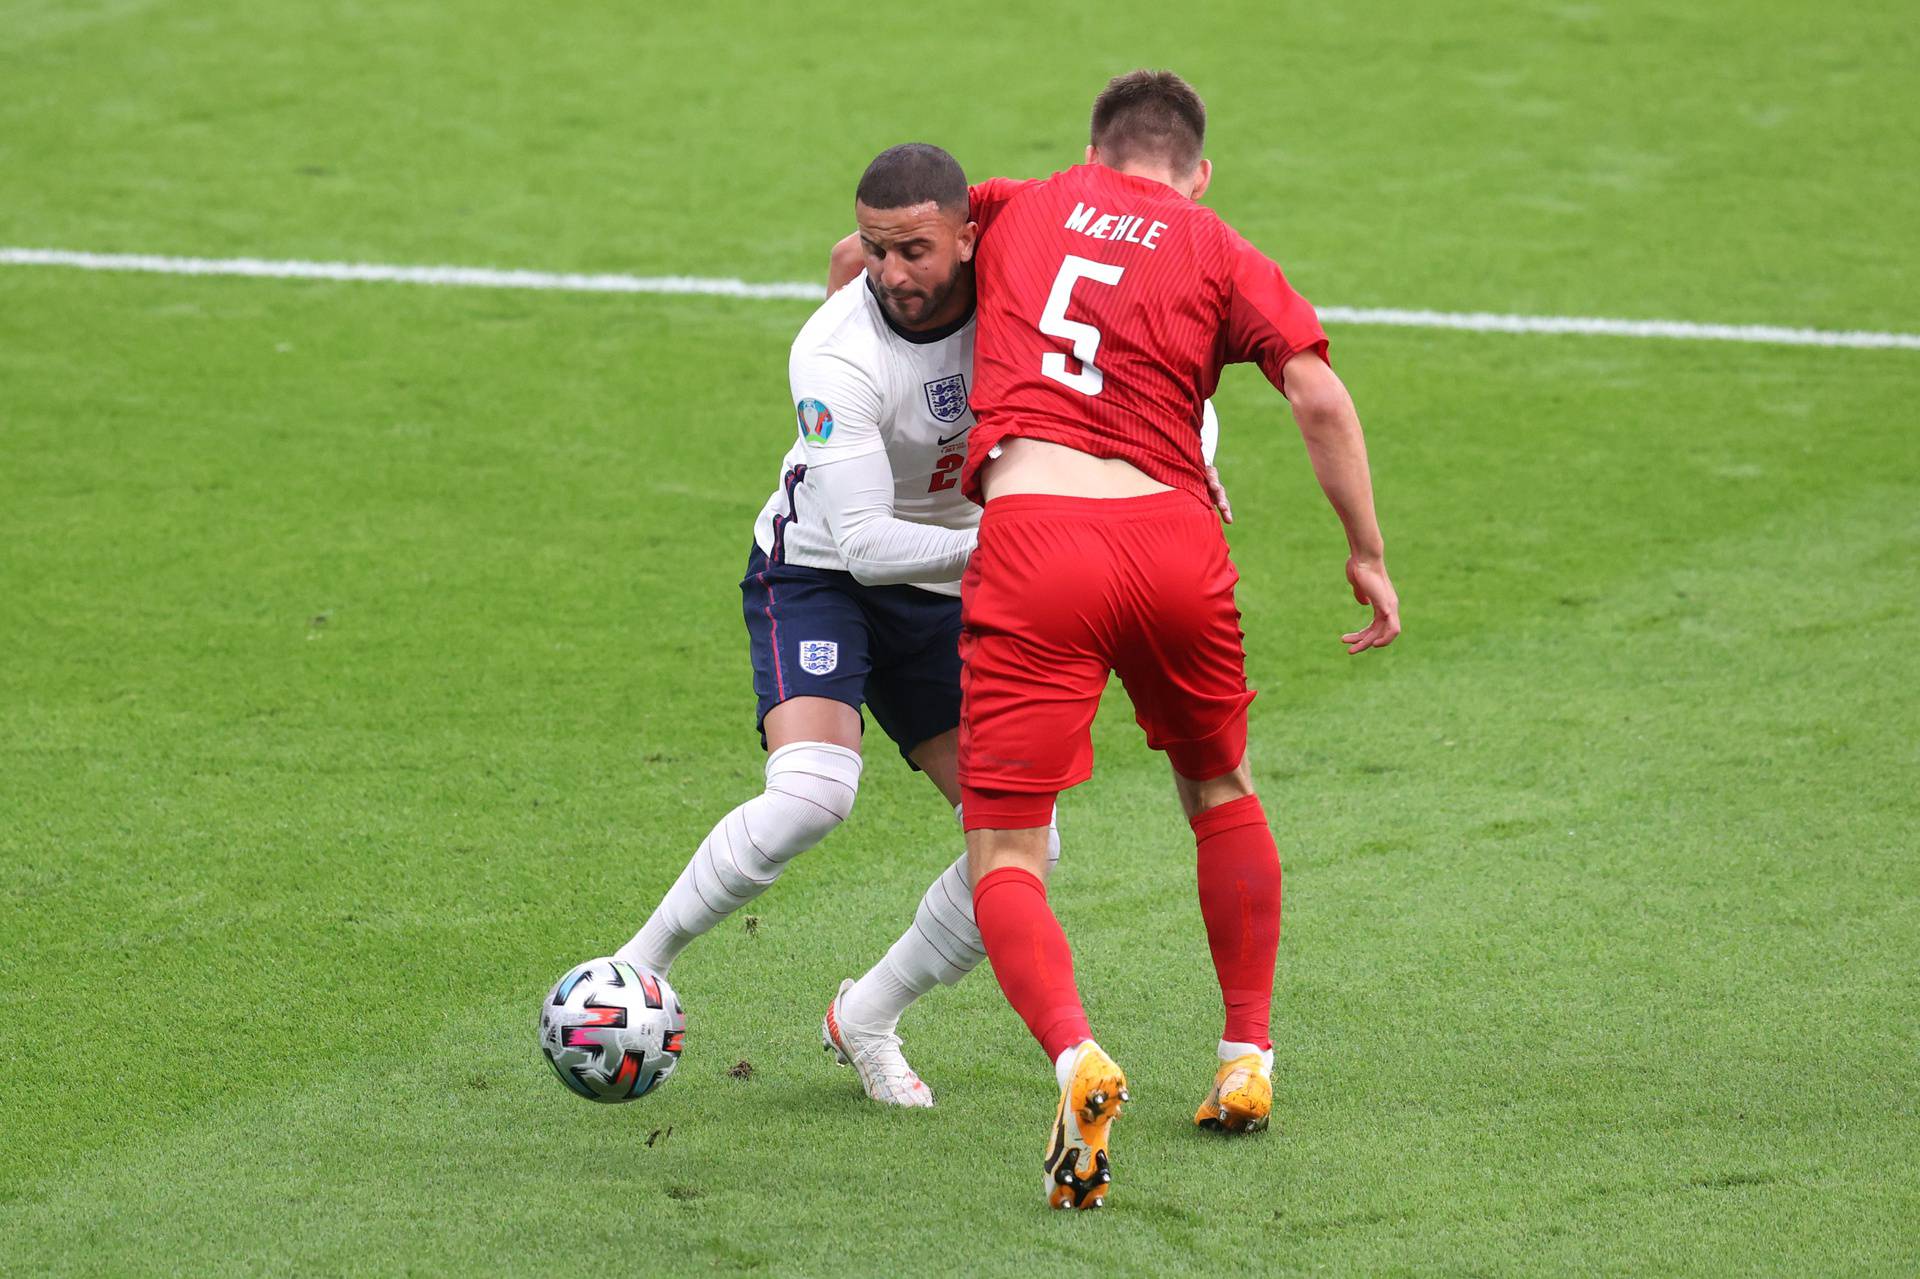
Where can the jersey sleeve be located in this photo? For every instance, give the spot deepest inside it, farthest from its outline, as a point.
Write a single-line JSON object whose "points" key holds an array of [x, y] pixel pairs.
{"points": [[836, 407], [986, 199], [880, 549], [1267, 322]]}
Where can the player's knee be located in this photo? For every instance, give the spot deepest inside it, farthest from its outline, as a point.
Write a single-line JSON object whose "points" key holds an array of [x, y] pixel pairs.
{"points": [[1053, 838], [811, 787], [1197, 796]]}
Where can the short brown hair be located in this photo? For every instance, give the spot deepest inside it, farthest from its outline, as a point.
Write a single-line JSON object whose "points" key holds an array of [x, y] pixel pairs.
{"points": [[1150, 115]]}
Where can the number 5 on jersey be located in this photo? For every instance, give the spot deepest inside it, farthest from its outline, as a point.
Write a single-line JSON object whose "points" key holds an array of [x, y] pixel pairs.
{"points": [[1085, 338]]}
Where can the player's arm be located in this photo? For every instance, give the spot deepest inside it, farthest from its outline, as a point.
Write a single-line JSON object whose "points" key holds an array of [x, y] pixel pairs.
{"points": [[1274, 327], [1338, 449], [851, 480], [880, 548], [845, 263]]}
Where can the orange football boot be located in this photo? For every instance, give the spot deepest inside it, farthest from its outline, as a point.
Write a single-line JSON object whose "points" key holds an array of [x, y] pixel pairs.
{"points": [[1242, 1097], [1077, 1170]]}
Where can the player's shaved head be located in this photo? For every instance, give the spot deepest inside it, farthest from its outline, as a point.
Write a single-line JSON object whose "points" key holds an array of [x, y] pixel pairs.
{"points": [[914, 173], [1150, 117], [911, 209]]}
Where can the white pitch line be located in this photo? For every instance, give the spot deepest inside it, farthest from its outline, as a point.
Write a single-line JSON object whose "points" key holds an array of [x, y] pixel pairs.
{"points": [[687, 285], [469, 277], [1681, 330]]}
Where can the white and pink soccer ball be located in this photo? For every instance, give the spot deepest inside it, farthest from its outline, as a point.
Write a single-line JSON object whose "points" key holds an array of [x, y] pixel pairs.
{"points": [[611, 1031]]}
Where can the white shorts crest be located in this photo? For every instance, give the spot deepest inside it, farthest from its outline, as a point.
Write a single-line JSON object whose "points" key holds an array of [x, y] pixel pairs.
{"points": [[819, 657]]}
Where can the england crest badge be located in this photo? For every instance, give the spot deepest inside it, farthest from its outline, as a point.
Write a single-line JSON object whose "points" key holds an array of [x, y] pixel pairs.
{"points": [[819, 657], [947, 398]]}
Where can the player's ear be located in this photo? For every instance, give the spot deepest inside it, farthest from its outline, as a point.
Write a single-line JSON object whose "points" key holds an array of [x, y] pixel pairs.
{"points": [[1202, 177], [1090, 154], [968, 238]]}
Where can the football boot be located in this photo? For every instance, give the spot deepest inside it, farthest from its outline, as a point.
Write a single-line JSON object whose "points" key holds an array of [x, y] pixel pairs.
{"points": [[1078, 1171], [874, 1055], [1242, 1096]]}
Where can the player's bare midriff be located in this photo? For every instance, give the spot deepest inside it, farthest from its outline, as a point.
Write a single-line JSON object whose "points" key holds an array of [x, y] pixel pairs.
{"points": [[1041, 466]]}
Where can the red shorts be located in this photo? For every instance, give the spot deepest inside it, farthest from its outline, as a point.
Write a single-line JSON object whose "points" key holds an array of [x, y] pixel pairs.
{"points": [[1064, 590]]}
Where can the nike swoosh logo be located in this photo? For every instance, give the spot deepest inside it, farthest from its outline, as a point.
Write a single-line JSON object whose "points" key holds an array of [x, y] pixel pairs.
{"points": [[951, 438]]}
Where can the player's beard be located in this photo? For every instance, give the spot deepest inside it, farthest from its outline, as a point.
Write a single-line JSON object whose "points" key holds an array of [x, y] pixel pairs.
{"points": [[913, 308]]}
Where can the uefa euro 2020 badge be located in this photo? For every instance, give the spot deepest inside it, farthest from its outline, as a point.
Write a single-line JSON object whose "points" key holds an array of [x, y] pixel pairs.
{"points": [[819, 657], [816, 423]]}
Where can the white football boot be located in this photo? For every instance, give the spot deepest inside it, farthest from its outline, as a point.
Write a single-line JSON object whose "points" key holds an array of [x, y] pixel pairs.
{"points": [[875, 1056]]}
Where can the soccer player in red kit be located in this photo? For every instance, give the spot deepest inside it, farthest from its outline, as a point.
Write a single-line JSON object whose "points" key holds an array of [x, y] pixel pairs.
{"points": [[1108, 302]]}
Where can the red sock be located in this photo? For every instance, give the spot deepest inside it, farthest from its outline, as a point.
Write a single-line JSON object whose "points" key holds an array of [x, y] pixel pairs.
{"points": [[1240, 900], [1030, 956]]}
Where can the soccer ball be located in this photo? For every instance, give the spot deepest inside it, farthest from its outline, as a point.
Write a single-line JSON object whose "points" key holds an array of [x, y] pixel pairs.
{"points": [[610, 1031]]}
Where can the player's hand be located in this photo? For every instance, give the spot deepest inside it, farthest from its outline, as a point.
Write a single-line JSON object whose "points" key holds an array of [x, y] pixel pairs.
{"points": [[1218, 491], [1372, 586]]}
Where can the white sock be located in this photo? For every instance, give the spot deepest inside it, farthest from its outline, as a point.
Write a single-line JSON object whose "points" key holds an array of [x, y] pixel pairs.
{"points": [[1230, 1051], [874, 1003], [810, 790], [941, 946], [1063, 1064]]}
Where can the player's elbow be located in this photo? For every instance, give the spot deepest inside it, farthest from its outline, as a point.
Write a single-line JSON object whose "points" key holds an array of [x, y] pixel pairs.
{"points": [[860, 552], [867, 573], [846, 262], [1322, 407], [1314, 390]]}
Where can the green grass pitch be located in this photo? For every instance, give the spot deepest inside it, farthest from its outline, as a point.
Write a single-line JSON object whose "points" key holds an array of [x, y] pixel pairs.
{"points": [[369, 654]]}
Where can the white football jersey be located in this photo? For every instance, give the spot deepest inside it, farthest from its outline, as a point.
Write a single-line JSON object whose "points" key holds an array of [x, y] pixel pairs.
{"points": [[862, 386]]}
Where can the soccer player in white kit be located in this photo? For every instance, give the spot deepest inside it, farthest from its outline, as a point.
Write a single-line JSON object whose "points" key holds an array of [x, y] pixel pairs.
{"points": [[852, 597]]}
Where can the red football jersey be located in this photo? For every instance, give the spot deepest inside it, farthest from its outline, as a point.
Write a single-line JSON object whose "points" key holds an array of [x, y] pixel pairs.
{"points": [[1108, 305]]}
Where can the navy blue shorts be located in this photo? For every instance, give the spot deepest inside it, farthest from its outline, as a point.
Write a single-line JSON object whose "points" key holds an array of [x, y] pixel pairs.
{"points": [[815, 632]]}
